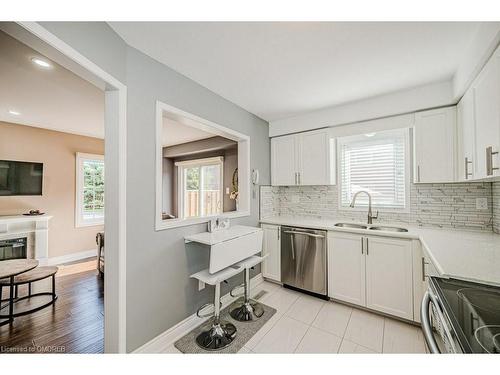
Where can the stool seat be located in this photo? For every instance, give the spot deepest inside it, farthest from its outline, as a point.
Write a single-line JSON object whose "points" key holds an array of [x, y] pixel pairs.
{"points": [[217, 277], [250, 261], [35, 274]]}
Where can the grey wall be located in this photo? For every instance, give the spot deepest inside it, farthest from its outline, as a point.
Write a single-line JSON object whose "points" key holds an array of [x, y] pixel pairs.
{"points": [[230, 164], [97, 41], [168, 187], [159, 291]]}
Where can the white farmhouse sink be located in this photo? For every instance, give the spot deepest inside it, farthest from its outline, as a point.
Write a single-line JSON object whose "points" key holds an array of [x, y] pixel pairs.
{"points": [[229, 246]]}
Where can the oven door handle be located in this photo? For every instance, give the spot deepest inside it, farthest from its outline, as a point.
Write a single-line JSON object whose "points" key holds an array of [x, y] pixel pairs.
{"points": [[426, 323]]}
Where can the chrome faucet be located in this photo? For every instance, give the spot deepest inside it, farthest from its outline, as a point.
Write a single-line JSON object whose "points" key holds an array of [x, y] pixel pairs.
{"points": [[370, 216]]}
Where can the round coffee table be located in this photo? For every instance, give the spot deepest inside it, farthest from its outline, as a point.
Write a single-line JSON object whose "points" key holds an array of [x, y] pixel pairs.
{"points": [[10, 269]]}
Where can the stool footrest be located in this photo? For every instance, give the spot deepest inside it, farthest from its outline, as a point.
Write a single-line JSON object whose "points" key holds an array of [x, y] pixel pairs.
{"points": [[198, 312], [232, 293]]}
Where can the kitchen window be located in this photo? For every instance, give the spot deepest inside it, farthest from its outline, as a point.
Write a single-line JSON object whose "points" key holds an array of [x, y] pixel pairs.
{"points": [[200, 186], [89, 190], [378, 163]]}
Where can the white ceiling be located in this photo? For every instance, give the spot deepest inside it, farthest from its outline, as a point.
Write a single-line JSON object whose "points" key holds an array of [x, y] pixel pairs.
{"points": [[175, 133], [53, 98], [278, 70]]}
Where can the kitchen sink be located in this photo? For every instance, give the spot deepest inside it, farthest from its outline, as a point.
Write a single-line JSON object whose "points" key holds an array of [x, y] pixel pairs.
{"points": [[389, 229], [351, 225]]}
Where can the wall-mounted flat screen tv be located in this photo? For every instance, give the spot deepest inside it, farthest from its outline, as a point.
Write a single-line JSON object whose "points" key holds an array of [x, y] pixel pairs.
{"points": [[20, 178]]}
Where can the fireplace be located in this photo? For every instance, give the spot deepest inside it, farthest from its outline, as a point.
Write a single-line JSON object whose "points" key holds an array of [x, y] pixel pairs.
{"points": [[15, 248]]}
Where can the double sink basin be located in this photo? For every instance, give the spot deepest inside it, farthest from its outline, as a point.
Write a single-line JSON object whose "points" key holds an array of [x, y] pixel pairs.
{"points": [[371, 227]]}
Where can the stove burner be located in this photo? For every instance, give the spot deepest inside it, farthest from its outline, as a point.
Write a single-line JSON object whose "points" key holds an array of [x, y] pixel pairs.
{"points": [[489, 338], [483, 299]]}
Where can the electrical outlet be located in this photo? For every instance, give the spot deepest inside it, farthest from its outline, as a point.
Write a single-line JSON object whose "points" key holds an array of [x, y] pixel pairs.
{"points": [[201, 285], [481, 203]]}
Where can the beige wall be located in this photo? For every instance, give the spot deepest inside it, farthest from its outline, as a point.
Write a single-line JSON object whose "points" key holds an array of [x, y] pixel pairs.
{"points": [[56, 150]]}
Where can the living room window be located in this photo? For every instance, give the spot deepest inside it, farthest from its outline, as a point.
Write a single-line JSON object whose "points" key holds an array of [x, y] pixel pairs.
{"points": [[200, 187], [377, 163], [89, 190]]}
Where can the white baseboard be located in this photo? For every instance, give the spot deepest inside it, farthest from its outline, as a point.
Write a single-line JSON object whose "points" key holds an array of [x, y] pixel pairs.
{"points": [[167, 338], [70, 257]]}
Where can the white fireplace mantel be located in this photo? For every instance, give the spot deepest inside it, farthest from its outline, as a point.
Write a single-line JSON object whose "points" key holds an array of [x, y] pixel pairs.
{"points": [[11, 226]]}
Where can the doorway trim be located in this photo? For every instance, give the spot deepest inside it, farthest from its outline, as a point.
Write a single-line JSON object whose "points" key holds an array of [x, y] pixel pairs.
{"points": [[115, 141]]}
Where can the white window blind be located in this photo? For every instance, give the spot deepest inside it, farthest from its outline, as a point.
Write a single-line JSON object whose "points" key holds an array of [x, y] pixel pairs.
{"points": [[374, 162]]}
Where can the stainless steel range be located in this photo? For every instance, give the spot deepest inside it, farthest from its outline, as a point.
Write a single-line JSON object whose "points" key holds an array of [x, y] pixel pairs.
{"points": [[465, 316]]}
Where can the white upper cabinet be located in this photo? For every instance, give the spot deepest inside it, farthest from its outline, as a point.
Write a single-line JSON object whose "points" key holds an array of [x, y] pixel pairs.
{"points": [[434, 141], [466, 138], [486, 91], [284, 163], [316, 158], [303, 159]]}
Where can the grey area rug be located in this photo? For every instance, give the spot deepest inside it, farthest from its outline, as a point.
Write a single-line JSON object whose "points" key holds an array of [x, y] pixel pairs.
{"points": [[245, 331]]}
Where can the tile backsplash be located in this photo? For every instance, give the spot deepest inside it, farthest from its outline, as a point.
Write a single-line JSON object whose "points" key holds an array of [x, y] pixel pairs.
{"points": [[496, 206], [431, 205]]}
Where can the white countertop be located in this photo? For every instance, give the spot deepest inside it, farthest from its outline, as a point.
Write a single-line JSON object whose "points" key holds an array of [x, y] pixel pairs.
{"points": [[213, 238], [459, 254]]}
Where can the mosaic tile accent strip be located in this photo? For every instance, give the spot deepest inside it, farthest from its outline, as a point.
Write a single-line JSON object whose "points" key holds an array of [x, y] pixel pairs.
{"points": [[269, 201], [431, 205], [495, 188]]}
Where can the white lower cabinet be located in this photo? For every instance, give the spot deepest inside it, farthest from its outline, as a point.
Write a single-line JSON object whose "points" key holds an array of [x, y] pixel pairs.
{"points": [[371, 271], [271, 267], [389, 281], [346, 268]]}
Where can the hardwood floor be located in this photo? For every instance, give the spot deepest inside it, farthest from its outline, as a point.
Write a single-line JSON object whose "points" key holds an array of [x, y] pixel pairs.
{"points": [[74, 324]]}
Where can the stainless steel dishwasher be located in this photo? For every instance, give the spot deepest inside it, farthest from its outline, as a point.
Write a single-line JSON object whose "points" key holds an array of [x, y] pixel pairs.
{"points": [[303, 260]]}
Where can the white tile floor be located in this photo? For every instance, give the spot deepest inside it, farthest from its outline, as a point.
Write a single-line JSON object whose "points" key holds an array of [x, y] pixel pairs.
{"points": [[304, 324]]}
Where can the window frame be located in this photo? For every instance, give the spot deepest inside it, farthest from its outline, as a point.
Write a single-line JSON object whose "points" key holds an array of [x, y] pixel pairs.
{"points": [[182, 165], [244, 180], [79, 221], [407, 168]]}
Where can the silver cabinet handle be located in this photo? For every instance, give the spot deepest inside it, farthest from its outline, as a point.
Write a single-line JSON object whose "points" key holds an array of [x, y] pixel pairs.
{"points": [[418, 173], [467, 162], [304, 234], [426, 324], [298, 173], [489, 161], [366, 245], [362, 244], [423, 268], [295, 178]]}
